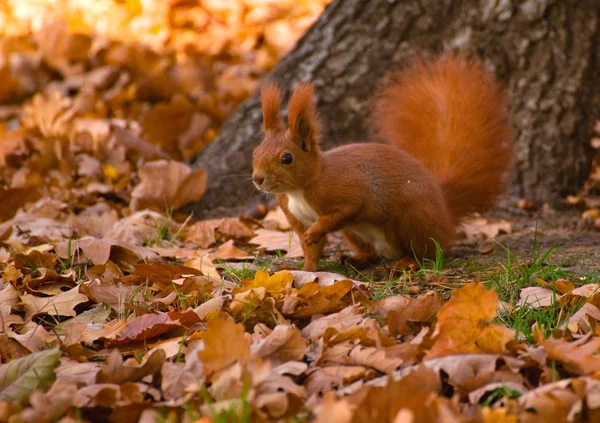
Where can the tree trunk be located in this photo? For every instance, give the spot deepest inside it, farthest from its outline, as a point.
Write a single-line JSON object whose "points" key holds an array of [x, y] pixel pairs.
{"points": [[546, 51]]}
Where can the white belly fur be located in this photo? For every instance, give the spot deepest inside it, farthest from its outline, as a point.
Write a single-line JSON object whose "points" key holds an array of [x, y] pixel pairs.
{"points": [[299, 207]]}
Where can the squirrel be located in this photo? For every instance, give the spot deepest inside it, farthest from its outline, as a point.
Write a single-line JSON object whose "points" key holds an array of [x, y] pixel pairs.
{"points": [[447, 155]]}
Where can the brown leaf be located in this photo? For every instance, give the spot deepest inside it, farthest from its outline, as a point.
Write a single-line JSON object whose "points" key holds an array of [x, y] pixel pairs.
{"points": [[581, 356], [148, 326], [359, 355], [418, 311], [46, 407], [224, 344], [117, 372], [349, 317], [167, 185], [283, 344], [275, 240], [481, 228], [464, 324], [382, 404], [9, 297], [228, 251], [57, 305], [205, 232], [323, 379]]}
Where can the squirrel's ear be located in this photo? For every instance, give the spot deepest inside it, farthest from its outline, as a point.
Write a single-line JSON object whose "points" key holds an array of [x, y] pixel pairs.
{"points": [[302, 117], [271, 104]]}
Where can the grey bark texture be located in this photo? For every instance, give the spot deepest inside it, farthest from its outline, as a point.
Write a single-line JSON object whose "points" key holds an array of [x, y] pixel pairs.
{"points": [[547, 52]]}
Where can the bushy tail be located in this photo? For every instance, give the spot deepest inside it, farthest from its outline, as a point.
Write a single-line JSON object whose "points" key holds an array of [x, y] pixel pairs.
{"points": [[451, 115]]}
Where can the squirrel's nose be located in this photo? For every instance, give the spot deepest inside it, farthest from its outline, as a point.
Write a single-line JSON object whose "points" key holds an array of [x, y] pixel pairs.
{"points": [[258, 179]]}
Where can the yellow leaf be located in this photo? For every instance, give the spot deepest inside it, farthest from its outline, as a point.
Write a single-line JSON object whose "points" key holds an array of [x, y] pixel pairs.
{"points": [[110, 172], [497, 416], [274, 284]]}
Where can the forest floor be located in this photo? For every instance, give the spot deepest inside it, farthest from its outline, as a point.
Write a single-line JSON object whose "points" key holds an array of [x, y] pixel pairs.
{"points": [[116, 306]]}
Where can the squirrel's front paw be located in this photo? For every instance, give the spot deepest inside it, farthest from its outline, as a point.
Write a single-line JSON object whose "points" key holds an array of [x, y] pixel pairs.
{"points": [[313, 237]]}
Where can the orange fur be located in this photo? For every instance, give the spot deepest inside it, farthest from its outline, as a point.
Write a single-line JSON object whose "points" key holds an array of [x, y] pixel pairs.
{"points": [[451, 115], [302, 112], [271, 103], [448, 155]]}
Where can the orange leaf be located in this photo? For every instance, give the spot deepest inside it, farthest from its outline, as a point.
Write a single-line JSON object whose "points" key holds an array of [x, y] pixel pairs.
{"points": [[224, 344], [464, 324]]}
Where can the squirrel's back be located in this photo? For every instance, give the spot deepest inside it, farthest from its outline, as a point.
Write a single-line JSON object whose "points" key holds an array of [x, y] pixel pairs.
{"points": [[451, 115]]}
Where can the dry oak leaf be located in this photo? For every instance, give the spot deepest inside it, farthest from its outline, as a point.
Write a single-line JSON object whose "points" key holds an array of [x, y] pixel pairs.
{"points": [[228, 251], [57, 305], [368, 334], [347, 318], [118, 372], [536, 297], [375, 358], [315, 300], [479, 228], [464, 324], [167, 184], [466, 372], [224, 344], [275, 240], [159, 274], [498, 415], [49, 406], [32, 336], [151, 325], [576, 399], [204, 232], [285, 343], [580, 322], [561, 286], [9, 297], [279, 396], [100, 251], [415, 392], [333, 410], [323, 379], [581, 356], [274, 284], [278, 218], [418, 310], [81, 374], [19, 378]]}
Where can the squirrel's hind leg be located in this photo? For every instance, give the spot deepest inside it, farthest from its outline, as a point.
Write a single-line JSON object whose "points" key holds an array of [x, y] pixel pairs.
{"points": [[364, 253]]}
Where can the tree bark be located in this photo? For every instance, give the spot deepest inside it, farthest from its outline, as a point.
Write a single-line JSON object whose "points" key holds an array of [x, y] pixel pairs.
{"points": [[545, 51]]}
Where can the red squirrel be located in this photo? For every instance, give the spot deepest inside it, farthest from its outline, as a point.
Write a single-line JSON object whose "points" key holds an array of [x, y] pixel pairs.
{"points": [[448, 154]]}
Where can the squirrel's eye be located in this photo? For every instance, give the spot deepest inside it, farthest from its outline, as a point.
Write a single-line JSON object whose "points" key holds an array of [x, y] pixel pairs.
{"points": [[287, 159]]}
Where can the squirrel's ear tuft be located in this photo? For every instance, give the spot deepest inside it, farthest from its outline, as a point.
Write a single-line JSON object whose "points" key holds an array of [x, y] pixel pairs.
{"points": [[271, 104], [302, 117]]}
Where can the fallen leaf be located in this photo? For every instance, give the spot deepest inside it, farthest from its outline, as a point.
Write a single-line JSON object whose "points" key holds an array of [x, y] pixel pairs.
{"points": [[228, 251], [224, 344], [283, 344], [481, 228], [167, 185], [273, 284], [418, 311], [57, 305], [118, 372], [20, 378], [275, 240], [464, 324]]}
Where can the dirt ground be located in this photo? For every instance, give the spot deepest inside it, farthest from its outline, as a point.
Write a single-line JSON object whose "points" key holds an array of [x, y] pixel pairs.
{"points": [[574, 245]]}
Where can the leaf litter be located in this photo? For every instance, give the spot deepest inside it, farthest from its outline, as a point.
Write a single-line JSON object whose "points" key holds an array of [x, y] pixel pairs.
{"points": [[114, 306]]}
